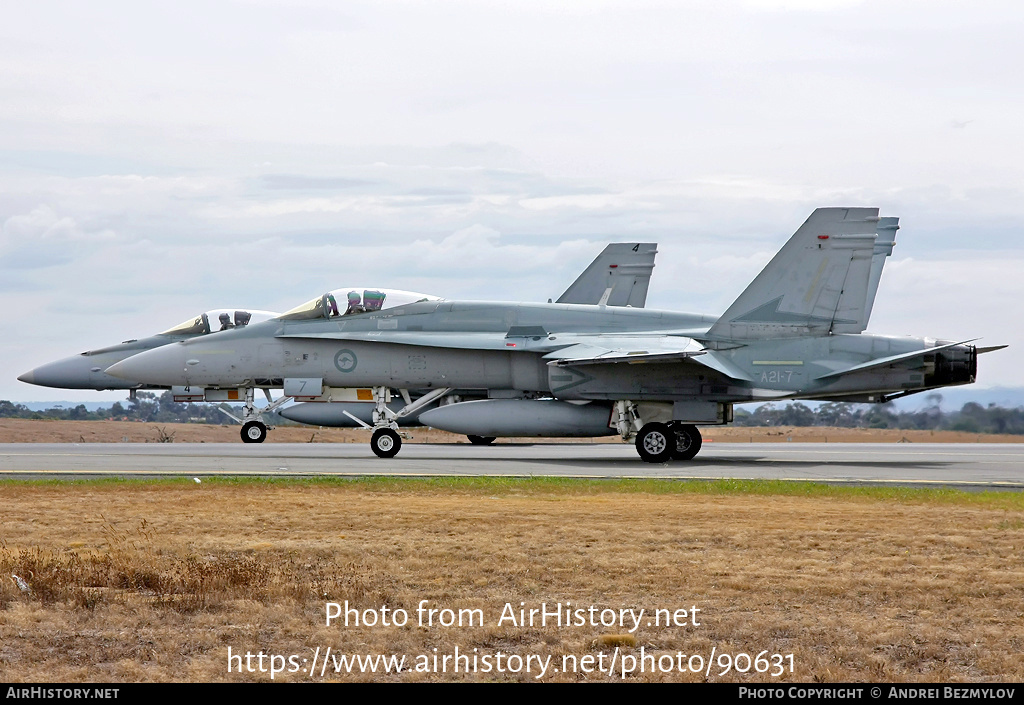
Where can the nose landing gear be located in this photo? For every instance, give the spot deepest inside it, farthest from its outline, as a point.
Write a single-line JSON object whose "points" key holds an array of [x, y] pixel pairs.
{"points": [[254, 432], [385, 443], [253, 428]]}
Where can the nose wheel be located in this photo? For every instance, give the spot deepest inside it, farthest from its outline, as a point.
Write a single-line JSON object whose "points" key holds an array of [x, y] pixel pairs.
{"points": [[254, 432], [385, 443], [253, 428]]}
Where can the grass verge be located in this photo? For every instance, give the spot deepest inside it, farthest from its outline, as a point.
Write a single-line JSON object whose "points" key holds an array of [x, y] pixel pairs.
{"points": [[155, 580]]}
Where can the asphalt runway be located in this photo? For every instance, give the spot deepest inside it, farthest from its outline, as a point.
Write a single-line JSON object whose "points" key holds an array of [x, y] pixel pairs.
{"points": [[978, 465]]}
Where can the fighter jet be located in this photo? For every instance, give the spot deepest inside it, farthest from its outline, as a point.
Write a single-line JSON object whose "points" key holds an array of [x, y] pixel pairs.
{"points": [[619, 276], [559, 369]]}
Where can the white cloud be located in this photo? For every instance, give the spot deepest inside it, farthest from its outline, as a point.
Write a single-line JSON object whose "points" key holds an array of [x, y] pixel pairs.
{"points": [[43, 223]]}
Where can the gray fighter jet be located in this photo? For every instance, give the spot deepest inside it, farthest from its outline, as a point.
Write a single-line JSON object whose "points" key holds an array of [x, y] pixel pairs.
{"points": [[559, 369], [619, 276]]}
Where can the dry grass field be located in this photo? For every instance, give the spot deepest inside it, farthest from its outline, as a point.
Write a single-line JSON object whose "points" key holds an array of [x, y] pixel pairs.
{"points": [[155, 581]]}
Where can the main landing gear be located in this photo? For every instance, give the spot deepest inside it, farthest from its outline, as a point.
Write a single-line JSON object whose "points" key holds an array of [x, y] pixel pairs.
{"points": [[386, 440], [661, 442], [253, 428], [657, 442]]}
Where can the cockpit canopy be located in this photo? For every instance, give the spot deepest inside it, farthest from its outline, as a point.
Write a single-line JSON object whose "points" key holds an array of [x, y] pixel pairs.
{"points": [[219, 319], [353, 300]]}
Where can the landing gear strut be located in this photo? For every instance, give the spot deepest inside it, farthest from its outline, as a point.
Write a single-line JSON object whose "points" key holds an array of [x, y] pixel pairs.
{"points": [[656, 442], [386, 440], [253, 428]]}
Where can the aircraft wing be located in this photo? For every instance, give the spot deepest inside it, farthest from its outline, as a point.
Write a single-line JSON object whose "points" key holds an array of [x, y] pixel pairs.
{"points": [[430, 339], [613, 350], [582, 345], [569, 351]]}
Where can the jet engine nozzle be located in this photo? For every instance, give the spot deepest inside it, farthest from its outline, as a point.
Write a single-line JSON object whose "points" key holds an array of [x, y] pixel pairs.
{"points": [[955, 365]]}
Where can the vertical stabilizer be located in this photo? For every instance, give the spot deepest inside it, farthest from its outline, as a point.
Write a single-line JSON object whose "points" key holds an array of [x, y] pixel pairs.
{"points": [[801, 291], [618, 277], [858, 295], [886, 240]]}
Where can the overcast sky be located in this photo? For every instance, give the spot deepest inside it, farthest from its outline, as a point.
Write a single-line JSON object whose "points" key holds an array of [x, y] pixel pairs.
{"points": [[158, 160]]}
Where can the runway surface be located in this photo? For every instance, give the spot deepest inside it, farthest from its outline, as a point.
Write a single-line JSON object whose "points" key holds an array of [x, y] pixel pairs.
{"points": [[974, 465]]}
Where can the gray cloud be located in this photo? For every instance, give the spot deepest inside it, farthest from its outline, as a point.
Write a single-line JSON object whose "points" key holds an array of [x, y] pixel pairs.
{"points": [[296, 182], [157, 166]]}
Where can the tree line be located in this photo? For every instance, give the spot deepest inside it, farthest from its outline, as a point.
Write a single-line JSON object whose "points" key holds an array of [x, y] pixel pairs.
{"points": [[972, 417], [146, 406]]}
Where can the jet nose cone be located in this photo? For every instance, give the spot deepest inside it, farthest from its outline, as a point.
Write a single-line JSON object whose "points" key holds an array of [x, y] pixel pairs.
{"points": [[69, 373], [125, 369], [162, 366], [76, 372]]}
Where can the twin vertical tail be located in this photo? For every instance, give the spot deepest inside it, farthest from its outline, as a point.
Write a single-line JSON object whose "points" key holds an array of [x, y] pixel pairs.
{"points": [[820, 282], [884, 243], [618, 277]]}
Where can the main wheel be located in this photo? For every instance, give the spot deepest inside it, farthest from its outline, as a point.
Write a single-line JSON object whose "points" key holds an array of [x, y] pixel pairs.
{"points": [[254, 432], [385, 443], [688, 442], [481, 440], [655, 443]]}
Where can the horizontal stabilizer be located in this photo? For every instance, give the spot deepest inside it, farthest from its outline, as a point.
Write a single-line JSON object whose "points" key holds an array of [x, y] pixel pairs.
{"points": [[800, 292], [991, 348], [618, 277], [882, 361]]}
